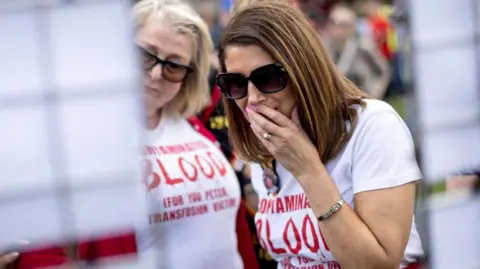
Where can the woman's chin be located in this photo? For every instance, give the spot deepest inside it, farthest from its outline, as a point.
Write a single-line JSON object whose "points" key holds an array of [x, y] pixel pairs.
{"points": [[151, 112]]}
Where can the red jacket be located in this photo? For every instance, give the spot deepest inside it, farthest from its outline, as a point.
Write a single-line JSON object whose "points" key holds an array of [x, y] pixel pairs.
{"points": [[124, 244]]}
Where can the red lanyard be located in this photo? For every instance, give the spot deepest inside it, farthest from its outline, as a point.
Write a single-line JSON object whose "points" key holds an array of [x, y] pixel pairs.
{"points": [[413, 266]]}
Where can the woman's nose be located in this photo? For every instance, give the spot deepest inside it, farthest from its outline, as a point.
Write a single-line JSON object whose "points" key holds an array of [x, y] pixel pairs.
{"points": [[156, 72], [254, 96]]}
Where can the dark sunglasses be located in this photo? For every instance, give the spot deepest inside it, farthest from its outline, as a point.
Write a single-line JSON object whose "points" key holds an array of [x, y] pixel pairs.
{"points": [[172, 72], [267, 79]]}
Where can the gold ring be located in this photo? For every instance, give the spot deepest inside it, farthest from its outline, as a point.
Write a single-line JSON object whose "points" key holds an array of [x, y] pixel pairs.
{"points": [[267, 136]]}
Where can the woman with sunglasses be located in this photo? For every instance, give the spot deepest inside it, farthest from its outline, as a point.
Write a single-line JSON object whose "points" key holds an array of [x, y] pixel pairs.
{"points": [[335, 171], [192, 193]]}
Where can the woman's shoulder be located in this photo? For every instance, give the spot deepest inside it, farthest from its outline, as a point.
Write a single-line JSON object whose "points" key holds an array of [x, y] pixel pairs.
{"points": [[378, 118], [182, 127], [191, 125], [375, 105], [373, 108], [198, 126]]}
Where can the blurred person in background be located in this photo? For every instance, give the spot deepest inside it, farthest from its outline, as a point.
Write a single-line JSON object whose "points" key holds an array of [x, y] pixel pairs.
{"points": [[335, 171], [378, 26], [356, 56], [223, 19], [195, 219]]}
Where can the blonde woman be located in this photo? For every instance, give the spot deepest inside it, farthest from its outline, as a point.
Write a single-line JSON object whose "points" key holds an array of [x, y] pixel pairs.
{"points": [[192, 193]]}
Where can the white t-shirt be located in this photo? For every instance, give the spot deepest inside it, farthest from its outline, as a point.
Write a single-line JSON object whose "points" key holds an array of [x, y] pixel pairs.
{"points": [[193, 197], [380, 154]]}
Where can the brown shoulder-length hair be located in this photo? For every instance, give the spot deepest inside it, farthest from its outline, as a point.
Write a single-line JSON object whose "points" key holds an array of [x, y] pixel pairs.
{"points": [[324, 96]]}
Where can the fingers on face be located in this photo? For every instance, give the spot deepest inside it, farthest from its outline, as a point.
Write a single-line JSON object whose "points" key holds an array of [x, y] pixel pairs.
{"points": [[278, 118], [265, 120], [264, 124], [260, 133]]}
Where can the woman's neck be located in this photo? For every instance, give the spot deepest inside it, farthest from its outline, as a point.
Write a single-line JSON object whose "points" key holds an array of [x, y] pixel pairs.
{"points": [[154, 120]]}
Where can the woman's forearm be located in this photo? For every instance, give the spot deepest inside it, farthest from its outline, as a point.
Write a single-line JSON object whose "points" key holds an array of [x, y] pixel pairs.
{"points": [[350, 240]]}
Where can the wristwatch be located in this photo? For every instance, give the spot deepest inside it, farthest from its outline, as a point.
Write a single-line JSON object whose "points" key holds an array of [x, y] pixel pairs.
{"points": [[332, 210]]}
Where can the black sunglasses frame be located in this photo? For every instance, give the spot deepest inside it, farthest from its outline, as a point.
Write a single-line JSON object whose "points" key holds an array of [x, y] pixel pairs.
{"points": [[163, 63], [227, 94]]}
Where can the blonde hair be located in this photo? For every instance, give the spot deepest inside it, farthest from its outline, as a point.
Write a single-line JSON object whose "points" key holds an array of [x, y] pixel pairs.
{"points": [[194, 94]]}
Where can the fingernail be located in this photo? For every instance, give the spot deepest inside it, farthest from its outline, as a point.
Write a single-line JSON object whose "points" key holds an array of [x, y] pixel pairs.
{"points": [[251, 125], [247, 109]]}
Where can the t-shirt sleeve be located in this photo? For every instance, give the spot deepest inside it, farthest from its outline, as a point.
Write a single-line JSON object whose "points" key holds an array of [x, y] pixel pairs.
{"points": [[383, 153]]}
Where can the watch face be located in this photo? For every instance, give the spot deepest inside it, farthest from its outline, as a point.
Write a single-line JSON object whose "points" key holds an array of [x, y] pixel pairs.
{"points": [[336, 207], [270, 180]]}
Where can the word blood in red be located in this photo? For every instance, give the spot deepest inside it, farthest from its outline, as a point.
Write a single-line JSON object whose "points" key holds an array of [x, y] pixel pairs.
{"points": [[283, 204], [305, 237], [194, 197], [208, 164]]}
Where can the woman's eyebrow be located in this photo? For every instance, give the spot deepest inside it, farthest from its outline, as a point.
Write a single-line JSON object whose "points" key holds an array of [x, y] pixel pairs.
{"points": [[149, 47], [177, 57]]}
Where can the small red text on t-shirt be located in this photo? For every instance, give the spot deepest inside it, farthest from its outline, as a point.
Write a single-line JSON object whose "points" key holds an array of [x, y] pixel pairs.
{"points": [[283, 204], [306, 263], [178, 207], [149, 150]]}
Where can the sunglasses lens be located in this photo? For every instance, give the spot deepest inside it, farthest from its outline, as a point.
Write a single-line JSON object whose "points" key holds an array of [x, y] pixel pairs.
{"points": [[174, 72], [148, 60], [267, 79], [233, 85], [270, 78]]}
